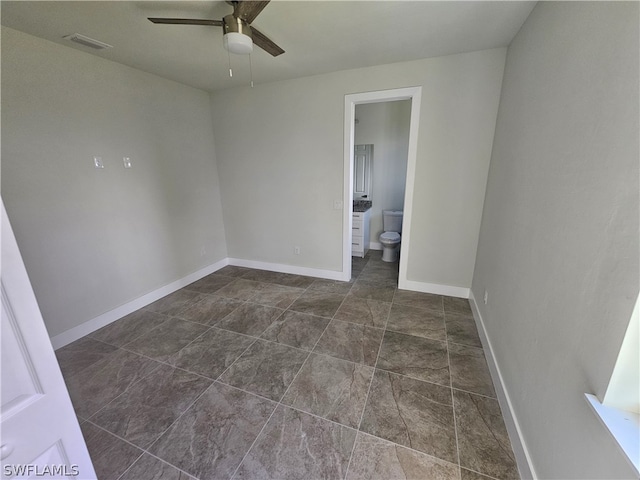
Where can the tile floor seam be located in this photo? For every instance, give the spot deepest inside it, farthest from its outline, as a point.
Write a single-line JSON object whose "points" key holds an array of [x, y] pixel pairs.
{"points": [[467, 345], [421, 381], [387, 329], [168, 463], [132, 340], [254, 442], [476, 394], [266, 339], [453, 402], [363, 272], [169, 317], [412, 450], [144, 450], [123, 440], [479, 473], [131, 386], [163, 362], [97, 340], [326, 355], [189, 321], [272, 306], [284, 405], [366, 400], [175, 421], [279, 403], [413, 378], [412, 335], [130, 466], [488, 424], [333, 319], [262, 397], [128, 387], [237, 358], [196, 338]]}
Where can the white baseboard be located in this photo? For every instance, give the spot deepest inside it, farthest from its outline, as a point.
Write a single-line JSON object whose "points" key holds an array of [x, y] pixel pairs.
{"points": [[106, 318], [520, 450], [279, 267], [434, 288]]}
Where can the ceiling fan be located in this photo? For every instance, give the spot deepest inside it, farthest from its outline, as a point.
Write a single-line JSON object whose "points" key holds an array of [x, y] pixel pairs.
{"points": [[239, 36]]}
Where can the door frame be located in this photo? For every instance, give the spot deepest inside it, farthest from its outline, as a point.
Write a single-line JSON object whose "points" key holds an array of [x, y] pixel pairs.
{"points": [[350, 101]]}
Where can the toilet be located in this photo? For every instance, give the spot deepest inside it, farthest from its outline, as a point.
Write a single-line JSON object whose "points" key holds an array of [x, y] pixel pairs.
{"points": [[390, 239]]}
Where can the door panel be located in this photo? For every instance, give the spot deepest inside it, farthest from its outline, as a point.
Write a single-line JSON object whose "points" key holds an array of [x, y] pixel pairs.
{"points": [[40, 432]]}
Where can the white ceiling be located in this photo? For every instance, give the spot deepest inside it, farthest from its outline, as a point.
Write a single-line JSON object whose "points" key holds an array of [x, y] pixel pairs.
{"points": [[317, 36]]}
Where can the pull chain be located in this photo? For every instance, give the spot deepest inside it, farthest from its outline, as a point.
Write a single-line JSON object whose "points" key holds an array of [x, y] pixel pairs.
{"points": [[250, 71], [230, 71]]}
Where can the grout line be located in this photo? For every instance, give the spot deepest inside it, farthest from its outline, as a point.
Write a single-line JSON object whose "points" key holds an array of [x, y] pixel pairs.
{"points": [[131, 465], [412, 450], [309, 353], [479, 473], [366, 401], [254, 441], [144, 450], [130, 386], [237, 358], [177, 420], [160, 322], [476, 394], [279, 403], [453, 404]]}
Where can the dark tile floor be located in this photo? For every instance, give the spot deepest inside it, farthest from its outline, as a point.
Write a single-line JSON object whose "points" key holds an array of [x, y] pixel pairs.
{"points": [[251, 374]]}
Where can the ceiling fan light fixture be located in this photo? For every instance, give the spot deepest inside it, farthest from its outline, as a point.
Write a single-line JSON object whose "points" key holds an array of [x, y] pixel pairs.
{"points": [[238, 43]]}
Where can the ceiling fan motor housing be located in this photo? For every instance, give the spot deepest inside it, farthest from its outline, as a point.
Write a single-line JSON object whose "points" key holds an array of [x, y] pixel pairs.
{"points": [[237, 35]]}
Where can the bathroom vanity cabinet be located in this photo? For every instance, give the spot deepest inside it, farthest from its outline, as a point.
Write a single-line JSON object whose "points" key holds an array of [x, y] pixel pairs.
{"points": [[360, 233]]}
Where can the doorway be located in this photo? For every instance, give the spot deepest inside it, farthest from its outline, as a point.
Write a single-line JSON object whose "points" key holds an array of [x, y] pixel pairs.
{"points": [[351, 101]]}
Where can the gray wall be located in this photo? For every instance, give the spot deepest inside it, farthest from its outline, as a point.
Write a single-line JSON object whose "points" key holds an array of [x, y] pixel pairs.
{"points": [[558, 249], [92, 239], [279, 148], [386, 126]]}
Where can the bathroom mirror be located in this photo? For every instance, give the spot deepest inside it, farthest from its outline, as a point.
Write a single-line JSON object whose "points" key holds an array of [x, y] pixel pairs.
{"points": [[362, 172]]}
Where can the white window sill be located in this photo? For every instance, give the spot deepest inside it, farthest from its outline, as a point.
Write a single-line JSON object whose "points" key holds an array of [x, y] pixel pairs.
{"points": [[624, 426]]}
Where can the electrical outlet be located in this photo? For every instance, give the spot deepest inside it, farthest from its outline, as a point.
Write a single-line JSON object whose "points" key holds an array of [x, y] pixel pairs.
{"points": [[486, 297], [296, 250], [97, 162], [337, 204], [127, 162]]}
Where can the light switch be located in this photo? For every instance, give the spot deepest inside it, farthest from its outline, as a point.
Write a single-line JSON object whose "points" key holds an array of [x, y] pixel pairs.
{"points": [[127, 162], [97, 161]]}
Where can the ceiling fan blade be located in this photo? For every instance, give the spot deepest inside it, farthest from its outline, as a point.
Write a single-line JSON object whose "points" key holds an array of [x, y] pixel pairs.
{"points": [[261, 40], [249, 10], [186, 21]]}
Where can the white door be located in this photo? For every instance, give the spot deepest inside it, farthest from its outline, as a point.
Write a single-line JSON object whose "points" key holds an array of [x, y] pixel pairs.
{"points": [[39, 432]]}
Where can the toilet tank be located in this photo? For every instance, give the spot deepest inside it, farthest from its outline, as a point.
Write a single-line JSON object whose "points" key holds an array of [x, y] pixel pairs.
{"points": [[392, 220]]}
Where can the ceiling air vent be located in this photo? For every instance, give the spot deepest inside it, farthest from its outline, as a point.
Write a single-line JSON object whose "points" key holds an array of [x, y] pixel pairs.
{"points": [[87, 42]]}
